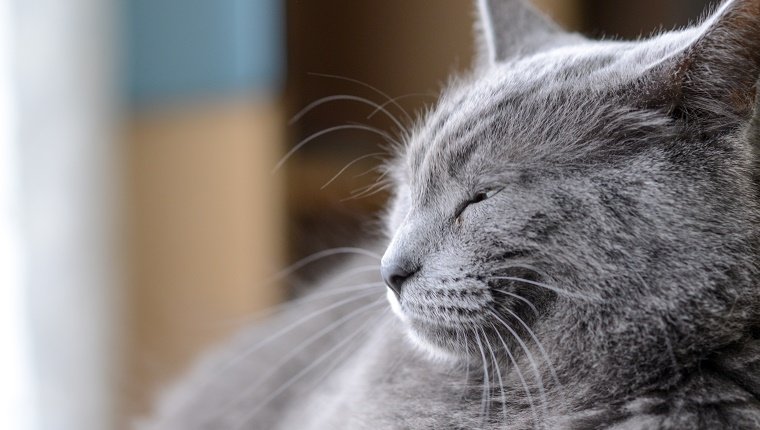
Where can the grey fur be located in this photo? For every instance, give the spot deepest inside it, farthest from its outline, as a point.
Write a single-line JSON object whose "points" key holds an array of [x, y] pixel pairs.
{"points": [[622, 203]]}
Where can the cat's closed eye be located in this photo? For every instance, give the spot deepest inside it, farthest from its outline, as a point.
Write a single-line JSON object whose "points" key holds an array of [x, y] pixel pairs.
{"points": [[485, 194], [476, 198]]}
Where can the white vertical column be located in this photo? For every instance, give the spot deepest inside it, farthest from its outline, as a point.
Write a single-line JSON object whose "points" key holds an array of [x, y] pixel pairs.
{"points": [[64, 57], [17, 407]]}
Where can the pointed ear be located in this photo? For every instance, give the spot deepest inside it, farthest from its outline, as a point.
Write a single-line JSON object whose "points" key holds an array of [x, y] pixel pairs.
{"points": [[713, 80], [510, 28]]}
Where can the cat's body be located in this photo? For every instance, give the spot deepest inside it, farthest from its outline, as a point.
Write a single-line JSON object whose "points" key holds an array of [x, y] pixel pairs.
{"points": [[573, 245]]}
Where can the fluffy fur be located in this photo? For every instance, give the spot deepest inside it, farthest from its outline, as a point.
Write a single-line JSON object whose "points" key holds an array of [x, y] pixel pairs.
{"points": [[579, 220]]}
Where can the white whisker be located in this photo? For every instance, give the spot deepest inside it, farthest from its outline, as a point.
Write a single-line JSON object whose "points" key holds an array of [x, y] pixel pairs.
{"points": [[281, 389], [533, 364], [354, 271], [308, 298], [258, 345], [308, 139], [550, 287], [298, 350], [397, 98], [347, 166], [519, 374], [284, 273], [366, 85], [328, 99], [498, 375], [540, 346], [521, 298], [341, 357], [486, 386]]}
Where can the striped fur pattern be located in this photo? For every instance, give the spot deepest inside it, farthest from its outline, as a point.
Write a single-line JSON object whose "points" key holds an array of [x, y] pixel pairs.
{"points": [[579, 222]]}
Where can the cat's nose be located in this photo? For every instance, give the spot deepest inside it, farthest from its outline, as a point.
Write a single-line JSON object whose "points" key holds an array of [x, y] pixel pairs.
{"points": [[395, 275]]}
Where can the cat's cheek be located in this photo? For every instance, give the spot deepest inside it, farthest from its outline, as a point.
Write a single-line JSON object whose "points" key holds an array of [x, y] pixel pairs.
{"points": [[395, 305]]}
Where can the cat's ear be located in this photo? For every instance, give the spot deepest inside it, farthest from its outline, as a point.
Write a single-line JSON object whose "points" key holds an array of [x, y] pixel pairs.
{"points": [[510, 28], [713, 79]]}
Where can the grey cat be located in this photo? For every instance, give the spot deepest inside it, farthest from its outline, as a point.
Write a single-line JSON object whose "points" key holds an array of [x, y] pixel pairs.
{"points": [[572, 244]]}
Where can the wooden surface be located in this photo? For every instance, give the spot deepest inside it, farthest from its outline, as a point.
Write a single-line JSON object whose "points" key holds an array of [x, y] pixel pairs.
{"points": [[206, 227]]}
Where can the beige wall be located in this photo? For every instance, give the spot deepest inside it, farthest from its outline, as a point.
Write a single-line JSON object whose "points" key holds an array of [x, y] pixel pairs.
{"points": [[206, 227]]}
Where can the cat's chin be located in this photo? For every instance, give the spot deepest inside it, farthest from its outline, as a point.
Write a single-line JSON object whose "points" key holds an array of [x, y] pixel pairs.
{"points": [[438, 342], [431, 346]]}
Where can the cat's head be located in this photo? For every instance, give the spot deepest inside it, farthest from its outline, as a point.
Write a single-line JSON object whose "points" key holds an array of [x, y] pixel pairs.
{"points": [[602, 194]]}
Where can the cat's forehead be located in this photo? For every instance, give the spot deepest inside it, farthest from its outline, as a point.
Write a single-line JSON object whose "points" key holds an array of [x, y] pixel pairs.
{"points": [[553, 105], [497, 118]]}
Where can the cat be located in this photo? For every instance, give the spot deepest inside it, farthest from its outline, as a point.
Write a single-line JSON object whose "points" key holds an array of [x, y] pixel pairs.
{"points": [[571, 243]]}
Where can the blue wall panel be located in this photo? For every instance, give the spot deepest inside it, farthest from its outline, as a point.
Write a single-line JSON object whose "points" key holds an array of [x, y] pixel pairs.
{"points": [[181, 49]]}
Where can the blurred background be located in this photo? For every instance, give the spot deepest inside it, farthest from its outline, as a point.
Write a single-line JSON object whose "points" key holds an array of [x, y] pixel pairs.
{"points": [[141, 203]]}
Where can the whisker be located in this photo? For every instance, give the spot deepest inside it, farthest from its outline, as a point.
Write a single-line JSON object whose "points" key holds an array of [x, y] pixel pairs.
{"points": [[356, 270], [550, 287], [379, 185], [397, 98], [320, 295], [498, 375], [250, 415], [347, 166], [521, 298], [370, 170], [342, 356], [461, 339], [258, 345], [380, 189], [366, 85], [301, 347], [367, 188], [308, 139], [213, 376], [519, 374], [284, 273], [308, 298], [486, 386], [540, 346], [329, 99], [466, 374], [530, 357], [302, 320]]}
